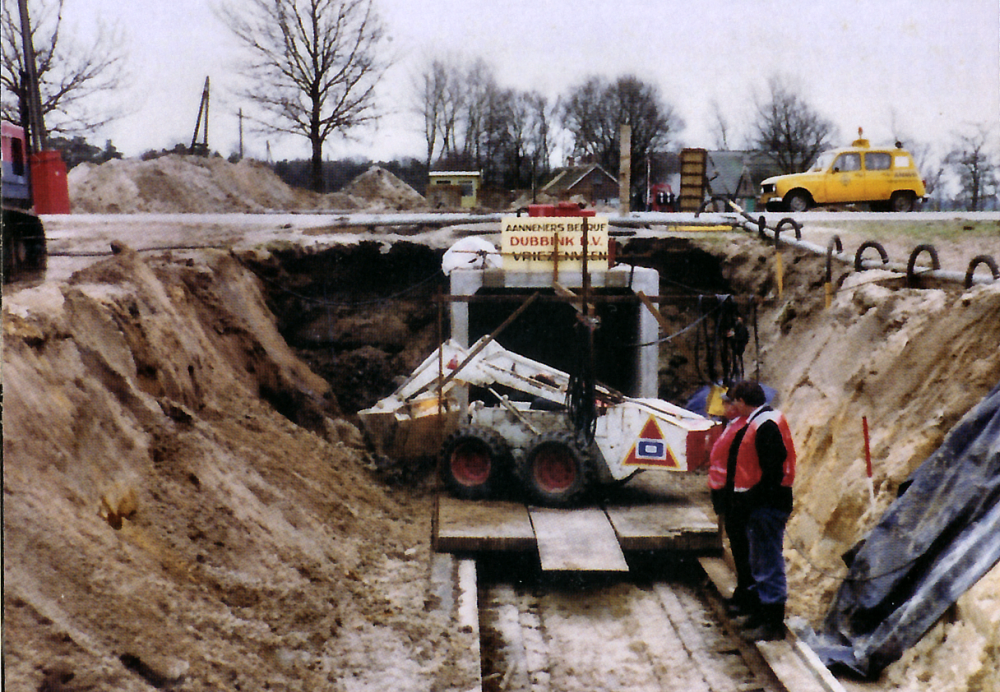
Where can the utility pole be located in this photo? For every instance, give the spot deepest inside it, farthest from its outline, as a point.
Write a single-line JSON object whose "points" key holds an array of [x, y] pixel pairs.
{"points": [[241, 134], [36, 124], [201, 148]]}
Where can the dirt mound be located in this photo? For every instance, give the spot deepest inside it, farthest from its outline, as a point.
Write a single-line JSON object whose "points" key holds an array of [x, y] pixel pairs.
{"points": [[182, 502], [195, 184], [384, 190]]}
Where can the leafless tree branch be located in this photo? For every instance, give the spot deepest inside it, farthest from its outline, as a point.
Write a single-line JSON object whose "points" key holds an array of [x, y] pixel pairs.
{"points": [[314, 65], [77, 80]]}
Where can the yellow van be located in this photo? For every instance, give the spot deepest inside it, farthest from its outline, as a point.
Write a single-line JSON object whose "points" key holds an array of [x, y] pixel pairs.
{"points": [[886, 178]]}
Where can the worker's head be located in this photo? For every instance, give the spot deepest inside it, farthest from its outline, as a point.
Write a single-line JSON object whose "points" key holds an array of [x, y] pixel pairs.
{"points": [[745, 396]]}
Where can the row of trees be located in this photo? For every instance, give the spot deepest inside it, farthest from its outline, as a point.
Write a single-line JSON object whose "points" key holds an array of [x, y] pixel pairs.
{"points": [[469, 121], [312, 67]]}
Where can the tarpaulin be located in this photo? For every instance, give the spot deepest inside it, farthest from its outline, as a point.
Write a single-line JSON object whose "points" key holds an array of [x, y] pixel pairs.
{"points": [[934, 542]]}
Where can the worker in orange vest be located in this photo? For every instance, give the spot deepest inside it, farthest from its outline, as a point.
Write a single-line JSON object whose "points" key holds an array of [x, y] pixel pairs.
{"points": [[720, 483], [762, 492]]}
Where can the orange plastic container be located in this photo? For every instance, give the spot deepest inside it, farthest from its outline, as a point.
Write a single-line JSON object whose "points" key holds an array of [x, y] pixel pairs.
{"points": [[51, 188]]}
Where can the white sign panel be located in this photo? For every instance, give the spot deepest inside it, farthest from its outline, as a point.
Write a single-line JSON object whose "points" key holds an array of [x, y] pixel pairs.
{"points": [[534, 243]]}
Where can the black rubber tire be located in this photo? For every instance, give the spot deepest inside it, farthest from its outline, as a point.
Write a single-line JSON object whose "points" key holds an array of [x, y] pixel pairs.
{"points": [[475, 463], [797, 201], [24, 252], [557, 470], [903, 201]]}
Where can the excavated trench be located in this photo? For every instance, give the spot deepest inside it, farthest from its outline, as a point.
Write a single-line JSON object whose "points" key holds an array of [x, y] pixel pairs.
{"points": [[157, 513], [363, 317]]}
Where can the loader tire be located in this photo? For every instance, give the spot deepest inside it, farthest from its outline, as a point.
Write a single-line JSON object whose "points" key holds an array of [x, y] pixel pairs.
{"points": [[475, 463], [557, 470]]}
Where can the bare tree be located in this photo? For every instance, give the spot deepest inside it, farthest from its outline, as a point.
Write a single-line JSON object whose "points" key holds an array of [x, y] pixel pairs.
{"points": [[503, 133], [77, 80], [538, 138], [594, 112], [314, 65], [788, 128], [974, 159], [720, 127], [431, 92]]}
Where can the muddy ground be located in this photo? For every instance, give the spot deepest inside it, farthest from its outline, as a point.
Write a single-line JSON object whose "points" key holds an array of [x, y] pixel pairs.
{"points": [[188, 503]]}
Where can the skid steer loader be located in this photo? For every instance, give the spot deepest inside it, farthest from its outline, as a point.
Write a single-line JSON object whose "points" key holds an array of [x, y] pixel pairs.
{"points": [[518, 430]]}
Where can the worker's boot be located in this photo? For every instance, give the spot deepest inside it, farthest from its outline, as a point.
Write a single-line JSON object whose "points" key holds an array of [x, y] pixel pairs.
{"points": [[741, 602], [750, 614], [772, 623]]}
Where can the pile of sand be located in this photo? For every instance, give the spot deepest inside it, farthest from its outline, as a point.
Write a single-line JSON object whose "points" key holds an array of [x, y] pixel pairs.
{"points": [[194, 184], [382, 189]]}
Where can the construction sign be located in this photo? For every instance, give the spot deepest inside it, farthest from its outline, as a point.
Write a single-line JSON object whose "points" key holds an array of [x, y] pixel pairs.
{"points": [[537, 243], [651, 449]]}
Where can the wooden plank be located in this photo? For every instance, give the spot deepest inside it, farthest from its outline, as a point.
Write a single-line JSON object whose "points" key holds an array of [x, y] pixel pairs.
{"points": [[467, 525], [576, 540], [789, 667], [694, 642], [720, 573], [664, 527], [791, 660]]}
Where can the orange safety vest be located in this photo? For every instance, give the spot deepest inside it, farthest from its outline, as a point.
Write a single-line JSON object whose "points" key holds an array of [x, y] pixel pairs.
{"points": [[748, 473], [719, 456]]}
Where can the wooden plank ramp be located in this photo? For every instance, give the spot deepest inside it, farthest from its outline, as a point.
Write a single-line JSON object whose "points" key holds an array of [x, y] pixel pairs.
{"points": [[664, 527], [576, 540], [472, 525]]}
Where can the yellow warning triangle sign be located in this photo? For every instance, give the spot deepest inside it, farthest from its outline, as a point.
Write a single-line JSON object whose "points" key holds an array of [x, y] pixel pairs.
{"points": [[651, 449]]}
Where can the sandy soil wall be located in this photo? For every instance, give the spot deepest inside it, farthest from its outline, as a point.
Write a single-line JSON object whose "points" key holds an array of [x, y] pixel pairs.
{"points": [[165, 524], [911, 360]]}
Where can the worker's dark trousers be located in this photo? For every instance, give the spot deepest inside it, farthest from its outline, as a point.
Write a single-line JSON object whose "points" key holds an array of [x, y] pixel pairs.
{"points": [[766, 534], [736, 529]]}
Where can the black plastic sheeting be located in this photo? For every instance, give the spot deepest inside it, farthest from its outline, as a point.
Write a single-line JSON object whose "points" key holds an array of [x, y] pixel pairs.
{"points": [[935, 542]]}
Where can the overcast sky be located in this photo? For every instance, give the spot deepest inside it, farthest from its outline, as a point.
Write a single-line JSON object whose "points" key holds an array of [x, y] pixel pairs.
{"points": [[926, 66]]}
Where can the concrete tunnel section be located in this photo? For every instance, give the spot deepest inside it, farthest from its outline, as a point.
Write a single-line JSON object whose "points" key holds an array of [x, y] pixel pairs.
{"points": [[626, 350]]}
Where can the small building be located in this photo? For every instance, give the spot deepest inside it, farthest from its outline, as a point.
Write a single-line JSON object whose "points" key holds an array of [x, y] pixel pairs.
{"points": [[590, 181], [453, 189]]}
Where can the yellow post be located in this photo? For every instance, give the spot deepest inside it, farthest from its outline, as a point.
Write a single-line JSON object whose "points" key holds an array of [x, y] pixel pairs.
{"points": [[779, 270], [829, 293]]}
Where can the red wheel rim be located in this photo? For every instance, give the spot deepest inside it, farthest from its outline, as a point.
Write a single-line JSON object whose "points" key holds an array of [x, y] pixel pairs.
{"points": [[470, 464], [555, 469]]}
